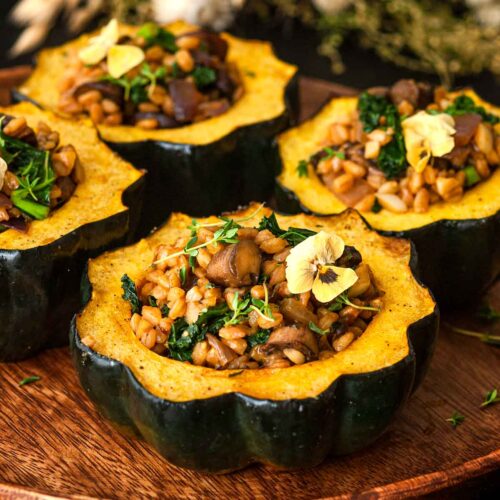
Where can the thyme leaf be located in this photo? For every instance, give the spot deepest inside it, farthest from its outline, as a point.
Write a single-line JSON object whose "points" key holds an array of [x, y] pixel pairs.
{"points": [[456, 419]]}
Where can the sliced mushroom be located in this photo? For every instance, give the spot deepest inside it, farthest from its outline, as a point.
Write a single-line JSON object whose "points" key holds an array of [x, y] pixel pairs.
{"points": [[236, 265], [224, 352], [242, 363], [186, 99], [405, 90], [107, 89], [465, 126], [299, 338], [458, 155], [350, 258], [5, 201], [293, 310]]}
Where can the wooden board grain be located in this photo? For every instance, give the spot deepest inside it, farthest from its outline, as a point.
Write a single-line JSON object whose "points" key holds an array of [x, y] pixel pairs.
{"points": [[54, 444]]}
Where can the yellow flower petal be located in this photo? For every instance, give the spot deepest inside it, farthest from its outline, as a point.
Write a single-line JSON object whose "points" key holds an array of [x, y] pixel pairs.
{"points": [[427, 135], [331, 281], [99, 45], [122, 58], [329, 247], [303, 260], [300, 276], [110, 34], [93, 53]]}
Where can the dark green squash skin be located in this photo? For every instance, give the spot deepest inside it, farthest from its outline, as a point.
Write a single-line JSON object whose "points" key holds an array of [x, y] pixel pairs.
{"points": [[41, 286], [229, 432], [212, 178], [458, 259]]}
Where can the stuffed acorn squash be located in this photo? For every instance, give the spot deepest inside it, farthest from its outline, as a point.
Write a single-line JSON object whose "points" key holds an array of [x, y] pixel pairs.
{"points": [[62, 200], [195, 109], [254, 337], [419, 163]]}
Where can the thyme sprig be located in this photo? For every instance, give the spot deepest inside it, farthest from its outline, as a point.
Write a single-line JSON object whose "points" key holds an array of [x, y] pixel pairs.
{"points": [[227, 233], [490, 398], [483, 336], [343, 300], [456, 419]]}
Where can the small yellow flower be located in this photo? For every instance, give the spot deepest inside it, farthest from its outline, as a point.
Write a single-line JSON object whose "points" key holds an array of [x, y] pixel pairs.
{"points": [[122, 58], [427, 135], [309, 266], [98, 46]]}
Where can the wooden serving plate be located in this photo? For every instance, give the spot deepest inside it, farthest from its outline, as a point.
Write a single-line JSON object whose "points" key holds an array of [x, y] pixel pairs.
{"points": [[53, 442]]}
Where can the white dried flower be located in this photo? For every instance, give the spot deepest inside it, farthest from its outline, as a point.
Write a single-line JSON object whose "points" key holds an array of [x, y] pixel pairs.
{"points": [[330, 7], [218, 14]]}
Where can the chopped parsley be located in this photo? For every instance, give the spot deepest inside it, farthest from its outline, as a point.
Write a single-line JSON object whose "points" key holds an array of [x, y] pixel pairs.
{"points": [[302, 168], [130, 293], [203, 76], [372, 109], [471, 176], [261, 337], [463, 105], [324, 154], [156, 35], [293, 235]]}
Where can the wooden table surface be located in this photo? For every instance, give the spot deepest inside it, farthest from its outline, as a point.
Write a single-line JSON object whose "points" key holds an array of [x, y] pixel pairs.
{"points": [[53, 442]]}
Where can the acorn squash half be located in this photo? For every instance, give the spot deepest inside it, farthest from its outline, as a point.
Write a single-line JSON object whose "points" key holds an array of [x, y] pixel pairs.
{"points": [[40, 270], [458, 243], [222, 420], [209, 166]]}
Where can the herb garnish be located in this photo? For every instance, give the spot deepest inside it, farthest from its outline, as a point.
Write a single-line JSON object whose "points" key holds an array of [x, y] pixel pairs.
{"points": [[485, 337], [34, 171], [471, 176], [326, 153], [377, 207], [456, 419], [463, 105], [293, 235], [156, 35], [392, 157], [316, 329], [29, 380], [203, 76], [343, 300], [302, 168], [490, 398], [135, 89], [261, 337], [130, 293], [488, 313], [182, 274]]}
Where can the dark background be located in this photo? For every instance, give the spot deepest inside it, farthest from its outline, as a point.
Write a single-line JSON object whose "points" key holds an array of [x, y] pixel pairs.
{"points": [[294, 43]]}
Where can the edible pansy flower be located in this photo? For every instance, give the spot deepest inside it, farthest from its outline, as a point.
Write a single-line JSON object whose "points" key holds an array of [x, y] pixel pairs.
{"points": [[310, 266], [427, 135], [120, 58], [98, 46]]}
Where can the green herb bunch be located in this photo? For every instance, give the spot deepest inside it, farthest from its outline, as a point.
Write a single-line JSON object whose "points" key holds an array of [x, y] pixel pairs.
{"points": [[34, 171]]}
